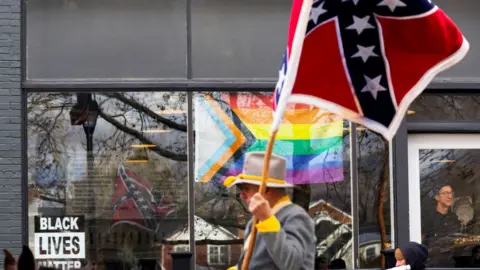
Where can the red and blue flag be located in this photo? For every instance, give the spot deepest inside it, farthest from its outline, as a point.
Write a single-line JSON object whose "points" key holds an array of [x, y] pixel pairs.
{"points": [[366, 60]]}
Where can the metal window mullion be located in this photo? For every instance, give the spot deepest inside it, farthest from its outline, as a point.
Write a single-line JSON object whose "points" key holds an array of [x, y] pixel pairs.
{"points": [[354, 191], [391, 195], [191, 187], [190, 142], [24, 169]]}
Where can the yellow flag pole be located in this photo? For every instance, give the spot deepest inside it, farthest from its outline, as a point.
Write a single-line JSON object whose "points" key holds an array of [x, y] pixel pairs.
{"points": [[263, 187]]}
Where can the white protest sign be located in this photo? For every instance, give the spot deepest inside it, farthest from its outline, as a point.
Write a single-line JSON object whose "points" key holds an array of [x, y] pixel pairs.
{"points": [[59, 239]]}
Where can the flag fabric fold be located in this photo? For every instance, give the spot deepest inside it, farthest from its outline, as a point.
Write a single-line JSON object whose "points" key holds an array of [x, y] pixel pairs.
{"points": [[365, 60]]}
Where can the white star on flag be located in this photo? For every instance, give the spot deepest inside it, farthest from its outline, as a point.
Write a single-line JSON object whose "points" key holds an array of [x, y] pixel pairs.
{"points": [[392, 4], [317, 12], [281, 77], [373, 86], [365, 52], [360, 24]]}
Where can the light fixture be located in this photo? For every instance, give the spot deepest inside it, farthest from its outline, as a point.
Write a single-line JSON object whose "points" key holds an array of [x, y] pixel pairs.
{"points": [[170, 112], [411, 112], [137, 161], [142, 145], [155, 130], [445, 161]]}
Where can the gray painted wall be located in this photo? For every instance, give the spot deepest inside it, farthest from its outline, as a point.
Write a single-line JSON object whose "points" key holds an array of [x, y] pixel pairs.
{"points": [[10, 117], [148, 39], [465, 14]]}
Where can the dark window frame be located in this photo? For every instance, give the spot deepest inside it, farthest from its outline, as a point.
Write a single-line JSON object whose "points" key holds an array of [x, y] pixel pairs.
{"points": [[354, 145]]}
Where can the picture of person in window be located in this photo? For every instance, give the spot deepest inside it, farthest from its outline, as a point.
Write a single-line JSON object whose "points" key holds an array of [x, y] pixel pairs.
{"points": [[438, 222]]}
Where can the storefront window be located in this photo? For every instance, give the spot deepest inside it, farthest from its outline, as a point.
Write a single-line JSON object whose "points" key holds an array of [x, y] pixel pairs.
{"points": [[316, 145], [115, 166], [373, 185], [445, 108], [449, 198]]}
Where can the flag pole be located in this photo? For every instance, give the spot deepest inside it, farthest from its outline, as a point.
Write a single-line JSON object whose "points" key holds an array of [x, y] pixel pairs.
{"points": [[261, 190]]}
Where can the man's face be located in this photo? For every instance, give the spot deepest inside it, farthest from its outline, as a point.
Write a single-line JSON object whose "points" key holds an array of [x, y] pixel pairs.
{"points": [[247, 191], [445, 196]]}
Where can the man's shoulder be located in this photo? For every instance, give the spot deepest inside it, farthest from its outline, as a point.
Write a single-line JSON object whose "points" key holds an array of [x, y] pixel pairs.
{"points": [[294, 211]]}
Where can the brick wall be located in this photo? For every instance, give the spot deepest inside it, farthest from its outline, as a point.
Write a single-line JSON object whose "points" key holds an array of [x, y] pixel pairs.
{"points": [[10, 117]]}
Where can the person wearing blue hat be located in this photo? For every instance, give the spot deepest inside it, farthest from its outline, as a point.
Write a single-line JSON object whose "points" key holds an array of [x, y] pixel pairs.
{"points": [[413, 254], [439, 222]]}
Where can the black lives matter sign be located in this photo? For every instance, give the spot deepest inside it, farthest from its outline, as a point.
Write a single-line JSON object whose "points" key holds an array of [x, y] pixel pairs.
{"points": [[60, 240]]}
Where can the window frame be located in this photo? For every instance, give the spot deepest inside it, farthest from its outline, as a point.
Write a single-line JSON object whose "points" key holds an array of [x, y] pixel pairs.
{"points": [[181, 248], [217, 86], [417, 142], [218, 247]]}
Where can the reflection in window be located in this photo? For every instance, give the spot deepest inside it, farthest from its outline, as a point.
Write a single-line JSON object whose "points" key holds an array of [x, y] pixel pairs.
{"points": [[370, 253], [119, 159], [444, 107], [181, 248], [449, 197], [373, 170], [316, 145], [218, 255]]}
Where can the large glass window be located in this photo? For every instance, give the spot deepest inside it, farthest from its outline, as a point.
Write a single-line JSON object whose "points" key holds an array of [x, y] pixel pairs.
{"points": [[116, 165], [430, 107], [443, 170], [373, 198], [449, 200], [106, 39], [238, 39], [316, 145]]}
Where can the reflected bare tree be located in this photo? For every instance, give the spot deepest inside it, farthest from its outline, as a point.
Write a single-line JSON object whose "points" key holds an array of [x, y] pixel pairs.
{"points": [[126, 115]]}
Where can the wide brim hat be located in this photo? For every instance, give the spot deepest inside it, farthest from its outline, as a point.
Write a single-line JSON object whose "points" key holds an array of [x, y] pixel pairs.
{"points": [[252, 171]]}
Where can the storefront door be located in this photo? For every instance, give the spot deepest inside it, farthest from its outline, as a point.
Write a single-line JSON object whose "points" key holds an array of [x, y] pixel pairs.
{"points": [[444, 194]]}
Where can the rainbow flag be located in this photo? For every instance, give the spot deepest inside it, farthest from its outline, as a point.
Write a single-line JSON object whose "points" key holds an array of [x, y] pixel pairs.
{"points": [[229, 125]]}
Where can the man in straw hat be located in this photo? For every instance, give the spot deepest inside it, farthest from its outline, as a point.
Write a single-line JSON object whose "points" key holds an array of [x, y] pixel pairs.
{"points": [[286, 233]]}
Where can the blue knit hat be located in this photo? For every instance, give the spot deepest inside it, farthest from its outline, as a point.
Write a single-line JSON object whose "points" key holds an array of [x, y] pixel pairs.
{"points": [[436, 189]]}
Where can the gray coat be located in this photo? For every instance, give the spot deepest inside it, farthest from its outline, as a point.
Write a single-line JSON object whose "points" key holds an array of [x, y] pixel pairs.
{"points": [[292, 248]]}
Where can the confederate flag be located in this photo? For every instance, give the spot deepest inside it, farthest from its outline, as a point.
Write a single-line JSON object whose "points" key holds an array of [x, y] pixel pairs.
{"points": [[134, 203], [365, 60]]}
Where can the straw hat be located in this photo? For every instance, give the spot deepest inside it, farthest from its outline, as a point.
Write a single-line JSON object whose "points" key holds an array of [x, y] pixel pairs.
{"points": [[252, 171]]}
